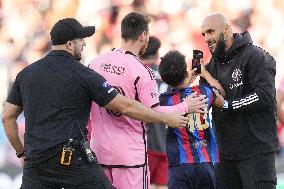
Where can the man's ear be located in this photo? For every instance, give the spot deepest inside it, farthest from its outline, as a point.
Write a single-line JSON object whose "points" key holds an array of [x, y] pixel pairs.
{"points": [[227, 30], [69, 45], [143, 36]]}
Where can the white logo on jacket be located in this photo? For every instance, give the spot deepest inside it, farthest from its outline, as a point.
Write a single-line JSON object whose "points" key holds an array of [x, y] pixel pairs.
{"points": [[237, 77]]}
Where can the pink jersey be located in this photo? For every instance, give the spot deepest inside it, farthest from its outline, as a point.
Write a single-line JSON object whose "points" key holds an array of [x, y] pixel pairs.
{"points": [[115, 138]]}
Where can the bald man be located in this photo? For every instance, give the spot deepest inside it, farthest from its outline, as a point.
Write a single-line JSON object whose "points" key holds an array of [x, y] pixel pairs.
{"points": [[246, 125]]}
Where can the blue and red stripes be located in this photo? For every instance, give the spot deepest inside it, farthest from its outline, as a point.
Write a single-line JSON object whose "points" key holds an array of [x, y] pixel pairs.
{"points": [[185, 151], [191, 146]]}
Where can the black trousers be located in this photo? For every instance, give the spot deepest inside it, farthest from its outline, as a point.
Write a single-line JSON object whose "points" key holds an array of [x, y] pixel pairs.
{"points": [[257, 172], [78, 175]]}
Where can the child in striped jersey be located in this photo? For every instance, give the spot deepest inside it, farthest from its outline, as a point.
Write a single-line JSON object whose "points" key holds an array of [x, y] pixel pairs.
{"points": [[191, 151]]}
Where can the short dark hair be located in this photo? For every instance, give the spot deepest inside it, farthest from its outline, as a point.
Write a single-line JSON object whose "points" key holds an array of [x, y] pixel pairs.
{"points": [[173, 68], [152, 48], [133, 25]]}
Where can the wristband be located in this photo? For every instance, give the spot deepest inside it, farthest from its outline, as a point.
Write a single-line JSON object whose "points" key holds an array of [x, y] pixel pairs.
{"points": [[20, 155]]}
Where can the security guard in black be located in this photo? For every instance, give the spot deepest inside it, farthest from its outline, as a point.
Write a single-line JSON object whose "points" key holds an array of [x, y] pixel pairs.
{"points": [[56, 93]]}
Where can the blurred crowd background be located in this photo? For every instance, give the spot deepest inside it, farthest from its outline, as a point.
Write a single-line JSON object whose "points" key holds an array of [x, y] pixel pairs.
{"points": [[25, 27]]}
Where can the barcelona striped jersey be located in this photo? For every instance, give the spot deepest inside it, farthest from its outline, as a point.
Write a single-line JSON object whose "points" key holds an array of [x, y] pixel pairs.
{"points": [[196, 142]]}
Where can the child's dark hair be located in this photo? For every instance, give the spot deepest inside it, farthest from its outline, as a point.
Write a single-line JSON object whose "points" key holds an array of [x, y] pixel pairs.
{"points": [[152, 48], [133, 25], [173, 68]]}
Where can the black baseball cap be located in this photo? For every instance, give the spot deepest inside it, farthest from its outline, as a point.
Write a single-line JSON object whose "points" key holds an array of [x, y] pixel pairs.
{"points": [[68, 29]]}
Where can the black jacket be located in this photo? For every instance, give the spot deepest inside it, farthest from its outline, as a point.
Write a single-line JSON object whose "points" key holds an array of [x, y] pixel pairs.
{"points": [[248, 126]]}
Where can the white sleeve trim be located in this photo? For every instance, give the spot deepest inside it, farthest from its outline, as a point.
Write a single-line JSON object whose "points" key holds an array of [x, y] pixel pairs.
{"points": [[245, 101]]}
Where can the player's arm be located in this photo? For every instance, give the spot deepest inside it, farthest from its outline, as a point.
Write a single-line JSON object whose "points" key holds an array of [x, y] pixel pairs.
{"points": [[148, 95], [106, 96], [138, 111], [9, 118], [192, 103]]}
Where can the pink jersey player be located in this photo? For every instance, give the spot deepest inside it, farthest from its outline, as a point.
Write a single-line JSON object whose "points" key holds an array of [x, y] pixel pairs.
{"points": [[118, 141]]}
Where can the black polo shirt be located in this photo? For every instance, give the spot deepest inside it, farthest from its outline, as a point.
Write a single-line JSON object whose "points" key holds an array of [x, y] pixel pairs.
{"points": [[56, 93]]}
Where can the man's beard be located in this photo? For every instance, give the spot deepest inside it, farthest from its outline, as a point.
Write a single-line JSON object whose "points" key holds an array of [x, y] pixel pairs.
{"points": [[220, 52], [142, 51], [77, 55]]}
